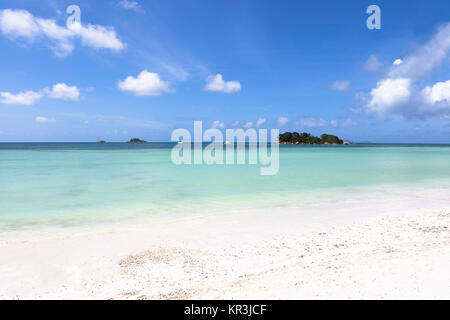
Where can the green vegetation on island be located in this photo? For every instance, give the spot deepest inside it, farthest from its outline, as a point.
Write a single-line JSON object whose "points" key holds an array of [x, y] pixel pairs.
{"points": [[136, 140], [307, 138]]}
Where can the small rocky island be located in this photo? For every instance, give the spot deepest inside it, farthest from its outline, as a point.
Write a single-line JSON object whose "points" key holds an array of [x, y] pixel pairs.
{"points": [[307, 138], [101, 141], [136, 140]]}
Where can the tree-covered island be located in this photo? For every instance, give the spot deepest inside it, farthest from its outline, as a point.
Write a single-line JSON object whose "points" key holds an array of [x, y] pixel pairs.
{"points": [[307, 138], [136, 140]]}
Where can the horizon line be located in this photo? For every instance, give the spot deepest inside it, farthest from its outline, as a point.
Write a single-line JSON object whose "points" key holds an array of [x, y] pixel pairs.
{"points": [[97, 142]]}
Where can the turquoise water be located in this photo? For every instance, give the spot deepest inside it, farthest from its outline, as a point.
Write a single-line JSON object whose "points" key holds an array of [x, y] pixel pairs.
{"points": [[76, 183]]}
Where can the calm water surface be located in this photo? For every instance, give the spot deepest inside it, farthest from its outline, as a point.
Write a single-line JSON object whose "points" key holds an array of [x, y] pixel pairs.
{"points": [[73, 183]]}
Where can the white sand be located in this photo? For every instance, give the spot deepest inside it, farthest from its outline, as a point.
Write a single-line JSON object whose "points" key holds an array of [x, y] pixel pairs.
{"points": [[384, 246]]}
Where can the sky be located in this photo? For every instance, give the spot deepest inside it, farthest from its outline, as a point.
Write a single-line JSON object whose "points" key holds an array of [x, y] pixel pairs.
{"points": [[144, 68]]}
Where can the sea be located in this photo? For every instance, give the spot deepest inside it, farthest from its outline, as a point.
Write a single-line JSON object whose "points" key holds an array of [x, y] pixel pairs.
{"points": [[72, 184]]}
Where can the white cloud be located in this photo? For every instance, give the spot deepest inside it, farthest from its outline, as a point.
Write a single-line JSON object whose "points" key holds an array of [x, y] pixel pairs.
{"points": [[27, 98], [63, 91], [398, 96], [59, 37], [440, 92], [333, 123], [282, 121], [16, 24], [237, 123], [340, 85], [400, 93], [372, 63], [217, 84], [436, 100], [130, 5], [388, 95], [97, 36], [218, 125], [44, 120], [248, 125], [260, 122], [312, 122], [146, 84], [426, 57]]}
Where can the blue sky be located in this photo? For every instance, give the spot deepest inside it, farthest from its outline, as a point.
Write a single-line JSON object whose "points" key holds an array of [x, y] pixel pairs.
{"points": [[145, 68]]}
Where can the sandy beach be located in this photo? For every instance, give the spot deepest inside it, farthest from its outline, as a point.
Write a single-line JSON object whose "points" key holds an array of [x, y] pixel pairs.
{"points": [[391, 247], [224, 150]]}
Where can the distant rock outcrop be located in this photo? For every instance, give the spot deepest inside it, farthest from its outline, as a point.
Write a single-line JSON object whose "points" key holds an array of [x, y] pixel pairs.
{"points": [[102, 141]]}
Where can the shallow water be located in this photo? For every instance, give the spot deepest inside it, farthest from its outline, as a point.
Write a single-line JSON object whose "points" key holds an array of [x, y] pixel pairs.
{"points": [[76, 183]]}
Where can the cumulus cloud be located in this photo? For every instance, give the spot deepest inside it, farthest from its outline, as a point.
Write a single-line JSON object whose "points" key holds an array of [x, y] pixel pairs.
{"points": [[217, 84], [399, 93], [440, 92], [389, 94], [21, 24], [44, 120], [18, 23], [218, 125], [64, 92], [248, 125], [26, 98], [145, 84], [400, 97], [130, 5], [436, 100], [340, 85], [282, 121]]}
